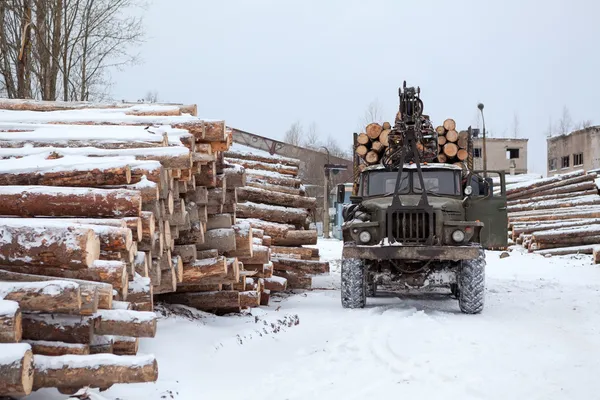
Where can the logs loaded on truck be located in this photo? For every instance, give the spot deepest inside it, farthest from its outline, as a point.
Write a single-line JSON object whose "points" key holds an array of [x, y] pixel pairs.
{"points": [[444, 144], [559, 215], [105, 211]]}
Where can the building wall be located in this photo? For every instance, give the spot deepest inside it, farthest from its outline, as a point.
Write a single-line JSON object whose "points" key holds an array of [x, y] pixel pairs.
{"points": [[584, 142], [497, 157]]}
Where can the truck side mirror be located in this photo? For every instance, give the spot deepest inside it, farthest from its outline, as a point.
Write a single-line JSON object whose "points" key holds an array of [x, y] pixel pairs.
{"points": [[341, 193]]}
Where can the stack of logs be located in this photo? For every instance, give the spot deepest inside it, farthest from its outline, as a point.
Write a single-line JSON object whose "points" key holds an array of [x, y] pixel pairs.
{"points": [[453, 146], [559, 215], [107, 208], [274, 202], [444, 145]]}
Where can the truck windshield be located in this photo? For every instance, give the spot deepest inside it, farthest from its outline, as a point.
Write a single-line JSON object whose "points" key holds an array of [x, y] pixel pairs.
{"points": [[377, 183]]}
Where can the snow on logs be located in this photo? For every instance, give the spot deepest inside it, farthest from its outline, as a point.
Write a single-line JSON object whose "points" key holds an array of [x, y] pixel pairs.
{"points": [[69, 202], [558, 215], [16, 369]]}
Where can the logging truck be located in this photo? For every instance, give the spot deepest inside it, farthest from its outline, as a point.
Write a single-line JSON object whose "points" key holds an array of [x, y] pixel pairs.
{"points": [[415, 223]]}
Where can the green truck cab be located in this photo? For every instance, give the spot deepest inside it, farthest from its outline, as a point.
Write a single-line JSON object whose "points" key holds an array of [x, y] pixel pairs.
{"points": [[397, 234]]}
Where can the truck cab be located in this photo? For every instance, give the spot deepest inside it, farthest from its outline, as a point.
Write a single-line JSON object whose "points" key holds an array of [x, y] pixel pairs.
{"points": [[420, 234]]}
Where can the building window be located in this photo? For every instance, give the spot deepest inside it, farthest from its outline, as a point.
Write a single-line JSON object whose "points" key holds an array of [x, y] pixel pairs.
{"points": [[512, 154], [565, 162], [578, 159], [477, 152], [552, 164]]}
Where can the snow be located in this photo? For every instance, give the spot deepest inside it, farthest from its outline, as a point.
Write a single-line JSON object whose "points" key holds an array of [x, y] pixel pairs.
{"points": [[66, 191], [49, 288], [126, 316], [538, 337], [238, 149], [92, 361], [172, 151], [12, 352], [269, 207], [597, 181], [271, 174], [37, 163], [139, 284], [54, 344], [120, 305], [8, 308]]}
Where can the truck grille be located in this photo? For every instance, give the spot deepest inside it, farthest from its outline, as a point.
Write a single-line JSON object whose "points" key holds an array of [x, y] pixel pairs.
{"points": [[413, 226]]}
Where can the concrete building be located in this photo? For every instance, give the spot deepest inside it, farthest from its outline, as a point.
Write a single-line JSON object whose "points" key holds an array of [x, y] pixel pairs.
{"points": [[502, 154], [576, 150]]}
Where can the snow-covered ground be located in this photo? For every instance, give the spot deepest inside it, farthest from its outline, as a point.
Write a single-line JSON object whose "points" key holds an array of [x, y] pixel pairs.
{"points": [[538, 338]]}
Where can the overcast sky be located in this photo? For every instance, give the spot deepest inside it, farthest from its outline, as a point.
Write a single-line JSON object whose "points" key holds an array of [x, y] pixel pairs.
{"points": [[263, 64]]}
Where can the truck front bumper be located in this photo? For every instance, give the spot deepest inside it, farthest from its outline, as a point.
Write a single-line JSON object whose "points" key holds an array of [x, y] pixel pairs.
{"points": [[424, 253]]}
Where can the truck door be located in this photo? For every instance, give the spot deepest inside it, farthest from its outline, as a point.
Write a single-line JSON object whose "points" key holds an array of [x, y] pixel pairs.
{"points": [[488, 205]]}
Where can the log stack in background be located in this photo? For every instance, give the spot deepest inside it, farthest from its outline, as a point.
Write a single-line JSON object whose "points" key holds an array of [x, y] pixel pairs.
{"points": [[274, 203], [559, 215], [444, 144]]}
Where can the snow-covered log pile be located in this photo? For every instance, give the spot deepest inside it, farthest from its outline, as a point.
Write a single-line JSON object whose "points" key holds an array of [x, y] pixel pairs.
{"points": [[557, 215], [104, 208], [274, 203]]}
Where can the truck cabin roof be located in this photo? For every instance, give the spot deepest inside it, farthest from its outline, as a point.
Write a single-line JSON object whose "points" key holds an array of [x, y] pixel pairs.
{"points": [[438, 166]]}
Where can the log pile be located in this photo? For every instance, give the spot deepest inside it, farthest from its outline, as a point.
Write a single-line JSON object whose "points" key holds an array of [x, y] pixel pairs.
{"points": [[104, 211], [442, 144], [274, 204], [558, 215]]}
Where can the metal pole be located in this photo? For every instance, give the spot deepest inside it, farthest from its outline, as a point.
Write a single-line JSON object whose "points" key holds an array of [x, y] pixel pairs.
{"points": [[326, 198], [480, 106]]}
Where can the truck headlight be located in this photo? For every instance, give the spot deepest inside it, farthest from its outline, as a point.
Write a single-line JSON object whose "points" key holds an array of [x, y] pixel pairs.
{"points": [[458, 236], [364, 237]]}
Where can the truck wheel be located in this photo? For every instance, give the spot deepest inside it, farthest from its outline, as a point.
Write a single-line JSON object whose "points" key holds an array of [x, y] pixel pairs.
{"points": [[471, 285], [354, 283]]}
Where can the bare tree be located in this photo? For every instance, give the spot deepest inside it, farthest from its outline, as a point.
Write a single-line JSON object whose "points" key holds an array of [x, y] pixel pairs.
{"points": [[583, 124], [565, 123], [372, 114], [515, 125], [66, 46], [294, 134], [550, 128], [151, 96], [312, 139]]}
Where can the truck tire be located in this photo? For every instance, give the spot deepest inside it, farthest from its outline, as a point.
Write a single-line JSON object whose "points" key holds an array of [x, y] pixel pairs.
{"points": [[471, 285], [354, 283]]}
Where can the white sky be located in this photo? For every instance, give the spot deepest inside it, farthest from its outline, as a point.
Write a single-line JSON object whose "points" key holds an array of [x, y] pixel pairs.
{"points": [[263, 64]]}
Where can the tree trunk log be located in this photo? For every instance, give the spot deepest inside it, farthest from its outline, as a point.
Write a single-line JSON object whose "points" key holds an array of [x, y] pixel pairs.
{"points": [[362, 150], [249, 299], [125, 346], [271, 213], [547, 183], [221, 239], [273, 179], [243, 240], [596, 255], [303, 252], [449, 124], [363, 139], [195, 272], [16, 370], [126, 323], [450, 150], [74, 202], [96, 371], [46, 348], [187, 252], [462, 154], [148, 189], [59, 328], [263, 166], [11, 328], [571, 195], [300, 266], [50, 296], [557, 204], [264, 196], [373, 130], [273, 229], [219, 303], [296, 280], [219, 221], [567, 233], [557, 217], [79, 176], [104, 291], [276, 284], [26, 242], [563, 251], [135, 224], [260, 255], [273, 188], [140, 294], [235, 177], [297, 238]]}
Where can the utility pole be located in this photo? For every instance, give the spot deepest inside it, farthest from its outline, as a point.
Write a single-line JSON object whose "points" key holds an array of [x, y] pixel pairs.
{"points": [[326, 196], [480, 106]]}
